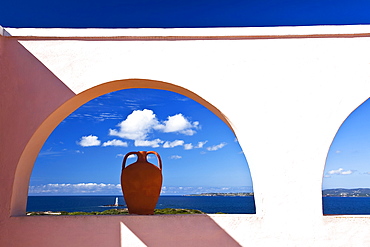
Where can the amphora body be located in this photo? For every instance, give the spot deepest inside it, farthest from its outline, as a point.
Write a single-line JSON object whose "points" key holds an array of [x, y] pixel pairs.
{"points": [[141, 183]]}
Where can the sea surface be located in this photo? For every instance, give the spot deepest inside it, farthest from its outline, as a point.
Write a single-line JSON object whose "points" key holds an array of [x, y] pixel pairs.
{"points": [[207, 204], [346, 205]]}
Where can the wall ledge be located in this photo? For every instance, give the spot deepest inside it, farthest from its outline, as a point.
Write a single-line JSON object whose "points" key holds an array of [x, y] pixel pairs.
{"points": [[192, 33]]}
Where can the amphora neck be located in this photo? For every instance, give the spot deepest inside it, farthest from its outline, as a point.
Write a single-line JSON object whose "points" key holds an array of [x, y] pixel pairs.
{"points": [[141, 156]]}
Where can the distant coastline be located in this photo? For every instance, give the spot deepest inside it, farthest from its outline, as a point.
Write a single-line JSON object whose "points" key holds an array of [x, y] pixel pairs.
{"points": [[337, 192], [223, 194], [340, 192]]}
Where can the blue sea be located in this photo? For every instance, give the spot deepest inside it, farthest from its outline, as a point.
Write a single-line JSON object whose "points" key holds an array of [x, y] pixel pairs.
{"points": [[346, 205], [207, 204]]}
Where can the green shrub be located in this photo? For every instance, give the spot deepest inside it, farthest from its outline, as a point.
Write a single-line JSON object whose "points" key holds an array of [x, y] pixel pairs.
{"points": [[123, 211]]}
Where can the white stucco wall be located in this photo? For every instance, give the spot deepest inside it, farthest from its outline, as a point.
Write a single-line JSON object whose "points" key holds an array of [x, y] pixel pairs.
{"points": [[284, 90]]}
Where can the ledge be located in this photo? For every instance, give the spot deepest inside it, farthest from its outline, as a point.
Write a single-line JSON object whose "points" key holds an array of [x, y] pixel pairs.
{"points": [[347, 31], [346, 216], [133, 215]]}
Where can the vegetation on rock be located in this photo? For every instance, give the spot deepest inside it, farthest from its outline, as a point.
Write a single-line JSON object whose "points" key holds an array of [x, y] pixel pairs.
{"points": [[123, 211]]}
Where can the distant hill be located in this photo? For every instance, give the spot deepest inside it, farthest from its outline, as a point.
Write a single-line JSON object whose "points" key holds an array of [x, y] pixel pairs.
{"points": [[359, 192], [338, 192], [223, 194]]}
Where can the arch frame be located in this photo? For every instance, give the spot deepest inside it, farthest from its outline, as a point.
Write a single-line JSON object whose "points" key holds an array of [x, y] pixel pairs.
{"points": [[357, 105], [35, 143]]}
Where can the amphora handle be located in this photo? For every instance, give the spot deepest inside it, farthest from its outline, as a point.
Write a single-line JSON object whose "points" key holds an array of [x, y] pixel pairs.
{"points": [[146, 154]]}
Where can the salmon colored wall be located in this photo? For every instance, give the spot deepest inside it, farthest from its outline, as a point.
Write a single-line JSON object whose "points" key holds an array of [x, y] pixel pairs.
{"points": [[29, 93]]}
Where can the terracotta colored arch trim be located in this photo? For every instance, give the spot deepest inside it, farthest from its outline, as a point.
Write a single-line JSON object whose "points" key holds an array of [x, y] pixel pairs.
{"points": [[34, 144]]}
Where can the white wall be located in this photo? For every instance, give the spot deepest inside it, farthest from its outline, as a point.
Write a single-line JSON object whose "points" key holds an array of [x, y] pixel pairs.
{"points": [[285, 91]]}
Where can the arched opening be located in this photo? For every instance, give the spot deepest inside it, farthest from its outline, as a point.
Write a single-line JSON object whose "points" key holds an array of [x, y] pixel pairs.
{"points": [[346, 181], [25, 166]]}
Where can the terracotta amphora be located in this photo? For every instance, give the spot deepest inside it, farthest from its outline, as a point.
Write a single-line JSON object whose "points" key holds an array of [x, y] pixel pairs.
{"points": [[141, 183]]}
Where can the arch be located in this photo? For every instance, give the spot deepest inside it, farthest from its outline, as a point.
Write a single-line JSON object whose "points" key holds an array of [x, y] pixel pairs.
{"points": [[334, 189], [29, 155]]}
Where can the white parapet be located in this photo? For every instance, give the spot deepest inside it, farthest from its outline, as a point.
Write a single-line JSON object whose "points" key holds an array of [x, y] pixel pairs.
{"points": [[191, 32]]}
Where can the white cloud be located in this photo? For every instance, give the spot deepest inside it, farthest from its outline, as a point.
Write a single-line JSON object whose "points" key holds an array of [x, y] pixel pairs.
{"points": [[136, 126], [188, 146], [115, 142], [175, 157], [50, 153], [178, 123], [140, 123], [97, 117], [89, 141], [216, 147], [129, 157], [201, 144], [106, 115], [145, 143], [115, 189], [80, 188], [175, 143], [340, 171]]}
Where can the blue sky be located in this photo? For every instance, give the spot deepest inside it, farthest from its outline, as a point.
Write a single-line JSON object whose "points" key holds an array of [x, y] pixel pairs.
{"points": [[63, 160], [84, 153], [199, 152], [182, 13], [348, 161]]}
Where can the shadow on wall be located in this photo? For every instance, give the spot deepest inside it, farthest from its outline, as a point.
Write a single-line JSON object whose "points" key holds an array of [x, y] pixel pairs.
{"points": [[123, 231], [189, 230]]}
